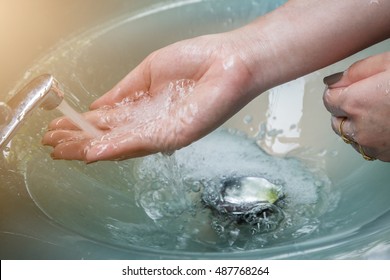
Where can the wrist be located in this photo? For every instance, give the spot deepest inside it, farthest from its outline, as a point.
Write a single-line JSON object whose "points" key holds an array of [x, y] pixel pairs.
{"points": [[255, 49]]}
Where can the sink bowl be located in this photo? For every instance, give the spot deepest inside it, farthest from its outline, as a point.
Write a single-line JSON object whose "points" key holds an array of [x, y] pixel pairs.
{"points": [[336, 204]]}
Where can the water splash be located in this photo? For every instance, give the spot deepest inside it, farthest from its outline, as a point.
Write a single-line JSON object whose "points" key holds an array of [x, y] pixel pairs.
{"points": [[153, 117], [170, 191]]}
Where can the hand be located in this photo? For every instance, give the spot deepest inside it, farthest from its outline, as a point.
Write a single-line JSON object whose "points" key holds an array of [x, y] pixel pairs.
{"points": [[361, 96], [175, 96]]}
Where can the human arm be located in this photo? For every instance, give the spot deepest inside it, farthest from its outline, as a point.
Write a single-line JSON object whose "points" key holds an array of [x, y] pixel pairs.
{"points": [[228, 69], [305, 35]]}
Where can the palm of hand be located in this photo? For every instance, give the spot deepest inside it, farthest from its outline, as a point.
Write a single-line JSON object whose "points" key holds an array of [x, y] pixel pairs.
{"points": [[174, 97]]}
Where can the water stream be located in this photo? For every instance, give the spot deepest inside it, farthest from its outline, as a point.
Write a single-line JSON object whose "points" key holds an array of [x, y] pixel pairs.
{"points": [[78, 119]]}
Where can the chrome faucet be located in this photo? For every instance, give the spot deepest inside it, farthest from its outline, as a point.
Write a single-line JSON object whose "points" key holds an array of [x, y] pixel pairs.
{"points": [[42, 92]]}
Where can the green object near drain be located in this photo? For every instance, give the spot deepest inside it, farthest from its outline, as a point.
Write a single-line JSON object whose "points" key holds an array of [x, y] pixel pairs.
{"points": [[251, 190]]}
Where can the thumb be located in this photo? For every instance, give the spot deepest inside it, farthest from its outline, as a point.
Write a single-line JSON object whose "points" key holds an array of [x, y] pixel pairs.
{"points": [[358, 71]]}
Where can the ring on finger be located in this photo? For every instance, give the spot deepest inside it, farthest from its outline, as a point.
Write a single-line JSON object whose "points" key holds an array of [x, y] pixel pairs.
{"points": [[364, 155], [345, 139]]}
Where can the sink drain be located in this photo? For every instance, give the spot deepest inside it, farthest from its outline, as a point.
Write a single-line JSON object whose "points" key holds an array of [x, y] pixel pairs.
{"points": [[249, 201]]}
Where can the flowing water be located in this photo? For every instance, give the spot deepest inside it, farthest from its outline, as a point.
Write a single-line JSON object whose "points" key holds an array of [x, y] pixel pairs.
{"points": [[78, 119], [156, 201], [171, 190]]}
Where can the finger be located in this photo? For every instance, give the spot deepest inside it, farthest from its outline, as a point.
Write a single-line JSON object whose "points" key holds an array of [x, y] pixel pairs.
{"points": [[335, 122], [334, 100], [121, 148], [65, 123], [62, 123], [135, 82], [344, 128], [358, 71], [103, 119], [367, 67], [355, 100], [72, 150], [56, 137]]}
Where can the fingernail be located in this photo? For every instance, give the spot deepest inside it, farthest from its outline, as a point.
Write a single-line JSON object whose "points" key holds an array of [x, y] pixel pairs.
{"points": [[334, 78]]}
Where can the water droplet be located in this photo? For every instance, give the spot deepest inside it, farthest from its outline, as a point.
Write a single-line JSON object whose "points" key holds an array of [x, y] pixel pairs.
{"points": [[248, 119]]}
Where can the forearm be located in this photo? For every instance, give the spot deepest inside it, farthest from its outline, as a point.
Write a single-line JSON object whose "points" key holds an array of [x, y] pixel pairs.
{"points": [[305, 35]]}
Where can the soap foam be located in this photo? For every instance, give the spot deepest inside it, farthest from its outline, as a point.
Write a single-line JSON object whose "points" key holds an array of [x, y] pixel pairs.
{"points": [[168, 187]]}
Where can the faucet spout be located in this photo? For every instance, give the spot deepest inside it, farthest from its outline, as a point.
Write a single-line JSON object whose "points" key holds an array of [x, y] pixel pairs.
{"points": [[42, 92]]}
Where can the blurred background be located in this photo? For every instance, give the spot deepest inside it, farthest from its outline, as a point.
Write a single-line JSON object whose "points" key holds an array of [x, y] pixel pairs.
{"points": [[30, 28]]}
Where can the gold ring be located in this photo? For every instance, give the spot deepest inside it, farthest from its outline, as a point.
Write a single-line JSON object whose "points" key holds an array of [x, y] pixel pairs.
{"points": [[345, 139], [366, 157]]}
